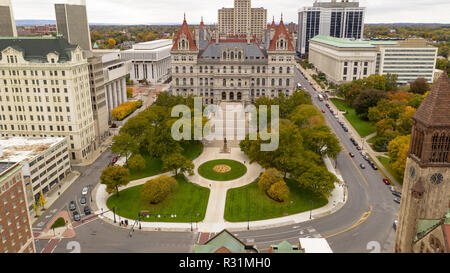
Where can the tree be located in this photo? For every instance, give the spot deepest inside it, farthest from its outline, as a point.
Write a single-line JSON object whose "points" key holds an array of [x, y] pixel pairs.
{"points": [[157, 190], [367, 99], [177, 161], [398, 151], [129, 92], [279, 191], [317, 179], [136, 162], [111, 43], [114, 177], [41, 201], [415, 101], [268, 178], [124, 145], [322, 141], [420, 86], [303, 114]]}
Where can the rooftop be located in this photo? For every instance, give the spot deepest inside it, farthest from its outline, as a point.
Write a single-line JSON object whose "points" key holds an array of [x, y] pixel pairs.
{"points": [[18, 149], [349, 43]]}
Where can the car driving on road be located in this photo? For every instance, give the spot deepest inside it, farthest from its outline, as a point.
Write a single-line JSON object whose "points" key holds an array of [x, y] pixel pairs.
{"points": [[362, 166], [85, 191]]}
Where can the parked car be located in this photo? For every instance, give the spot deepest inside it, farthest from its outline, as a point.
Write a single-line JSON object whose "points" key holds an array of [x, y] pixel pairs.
{"points": [[323, 111], [85, 191], [345, 129], [87, 210], [83, 200], [397, 200], [362, 166], [374, 167], [398, 194], [386, 181], [352, 140], [72, 205], [76, 216], [392, 189], [358, 148], [115, 159], [395, 224], [351, 155]]}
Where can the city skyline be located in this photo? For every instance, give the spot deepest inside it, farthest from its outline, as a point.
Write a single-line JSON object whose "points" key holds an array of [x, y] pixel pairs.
{"points": [[408, 11]]}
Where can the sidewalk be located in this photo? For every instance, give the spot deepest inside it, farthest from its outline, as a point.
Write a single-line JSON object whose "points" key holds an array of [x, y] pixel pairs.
{"points": [[214, 221], [52, 197], [96, 154]]}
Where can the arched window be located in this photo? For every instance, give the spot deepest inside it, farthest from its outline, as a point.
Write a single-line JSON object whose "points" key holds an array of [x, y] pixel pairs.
{"points": [[191, 70], [224, 82], [184, 81], [273, 70], [287, 82], [239, 55], [273, 82], [206, 69], [232, 55], [258, 69], [280, 82], [176, 69], [183, 44], [192, 81], [281, 70], [201, 69], [177, 81], [184, 69], [288, 70], [224, 55], [224, 69]]}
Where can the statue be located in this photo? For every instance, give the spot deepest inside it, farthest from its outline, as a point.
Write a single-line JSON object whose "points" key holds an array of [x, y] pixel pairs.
{"points": [[225, 149]]}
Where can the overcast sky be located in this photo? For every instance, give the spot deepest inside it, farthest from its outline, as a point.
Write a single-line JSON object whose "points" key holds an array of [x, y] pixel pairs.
{"points": [[171, 11]]}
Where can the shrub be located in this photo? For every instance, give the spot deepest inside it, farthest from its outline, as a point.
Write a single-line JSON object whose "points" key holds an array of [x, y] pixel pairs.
{"points": [[157, 190], [269, 177], [129, 92], [125, 109], [60, 222], [279, 191]]}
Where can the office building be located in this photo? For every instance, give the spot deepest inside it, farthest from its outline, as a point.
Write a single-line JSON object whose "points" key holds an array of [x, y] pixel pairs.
{"points": [[45, 92], [7, 22], [16, 235], [114, 71], [424, 216], [45, 162], [345, 60], [242, 20], [72, 23], [233, 69], [336, 19], [150, 61]]}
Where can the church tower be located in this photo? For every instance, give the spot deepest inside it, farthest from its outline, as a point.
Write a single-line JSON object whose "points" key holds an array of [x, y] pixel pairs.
{"points": [[426, 186]]}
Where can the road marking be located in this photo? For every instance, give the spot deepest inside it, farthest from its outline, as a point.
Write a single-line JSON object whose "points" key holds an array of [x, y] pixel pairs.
{"points": [[360, 221]]}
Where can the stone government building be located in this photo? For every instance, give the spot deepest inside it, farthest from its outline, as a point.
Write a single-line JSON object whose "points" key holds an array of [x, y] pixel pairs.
{"points": [[232, 68]]}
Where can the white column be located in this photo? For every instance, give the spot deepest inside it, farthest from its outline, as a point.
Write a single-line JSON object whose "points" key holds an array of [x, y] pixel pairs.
{"points": [[114, 95], [124, 89], [110, 100]]}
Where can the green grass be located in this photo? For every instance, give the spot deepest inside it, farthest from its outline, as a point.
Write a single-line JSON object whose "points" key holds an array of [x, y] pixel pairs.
{"points": [[188, 197], [387, 165], [237, 170], [363, 127], [153, 166], [262, 207], [60, 222]]}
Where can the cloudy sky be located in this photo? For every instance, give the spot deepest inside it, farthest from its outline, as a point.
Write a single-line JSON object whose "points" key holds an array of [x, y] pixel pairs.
{"points": [[171, 11]]}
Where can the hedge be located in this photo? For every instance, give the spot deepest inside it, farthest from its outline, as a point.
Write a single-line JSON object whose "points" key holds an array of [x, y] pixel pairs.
{"points": [[125, 109]]}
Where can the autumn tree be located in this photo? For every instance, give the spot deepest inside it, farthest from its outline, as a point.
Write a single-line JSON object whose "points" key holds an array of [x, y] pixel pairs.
{"points": [[367, 99], [303, 116], [420, 86], [136, 162], [157, 190], [114, 177], [398, 152], [322, 141]]}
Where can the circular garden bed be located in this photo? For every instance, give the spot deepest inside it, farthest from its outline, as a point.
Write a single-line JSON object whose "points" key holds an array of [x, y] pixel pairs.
{"points": [[222, 170]]}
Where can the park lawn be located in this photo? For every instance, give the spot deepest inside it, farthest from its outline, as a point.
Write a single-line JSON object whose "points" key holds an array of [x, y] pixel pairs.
{"points": [[363, 127], [262, 207], [237, 170], [153, 166], [387, 165], [186, 199]]}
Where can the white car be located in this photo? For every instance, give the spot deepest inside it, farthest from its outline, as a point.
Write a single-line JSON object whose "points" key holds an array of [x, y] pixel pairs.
{"points": [[85, 191]]}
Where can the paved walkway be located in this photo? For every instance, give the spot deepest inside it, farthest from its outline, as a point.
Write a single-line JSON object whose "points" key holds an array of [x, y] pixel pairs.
{"points": [[214, 221]]}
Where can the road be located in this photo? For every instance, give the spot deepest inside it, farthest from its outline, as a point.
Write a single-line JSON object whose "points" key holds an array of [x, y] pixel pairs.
{"points": [[363, 225]]}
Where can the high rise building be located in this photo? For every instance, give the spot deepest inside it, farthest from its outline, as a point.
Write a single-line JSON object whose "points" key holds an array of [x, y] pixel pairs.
{"points": [[72, 23], [243, 20], [336, 19], [424, 216], [7, 23], [45, 92], [16, 235]]}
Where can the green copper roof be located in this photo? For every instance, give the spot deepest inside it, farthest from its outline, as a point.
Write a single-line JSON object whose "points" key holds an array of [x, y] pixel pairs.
{"points": [[424, 226], [223, 239], [286, 247], [348, 43]]}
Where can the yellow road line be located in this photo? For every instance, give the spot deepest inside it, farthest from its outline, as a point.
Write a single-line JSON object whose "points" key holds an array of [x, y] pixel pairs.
{"points": [[360, 221]]}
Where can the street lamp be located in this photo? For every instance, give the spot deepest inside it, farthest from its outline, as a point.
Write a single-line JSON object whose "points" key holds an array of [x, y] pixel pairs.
{"points": [[139, 220], [191, 221], [248, 212], [310, 214], [114, 212]]}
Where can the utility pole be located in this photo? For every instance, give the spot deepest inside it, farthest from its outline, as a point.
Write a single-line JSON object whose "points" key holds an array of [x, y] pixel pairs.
{"points": [[310, 214], [191, 222], [114, 212]]}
